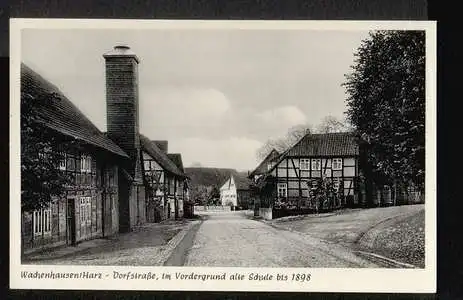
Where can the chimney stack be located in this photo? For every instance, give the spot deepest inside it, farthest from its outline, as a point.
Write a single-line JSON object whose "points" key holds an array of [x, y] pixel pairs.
{"points": [[122, 99]]}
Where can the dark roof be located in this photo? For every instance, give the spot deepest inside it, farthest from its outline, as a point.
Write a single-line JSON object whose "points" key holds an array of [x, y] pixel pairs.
{"points": [[158, 155], [262, 167], [326, 144], [176, 158], [61, 114], [242, 181], [162, 145], [203, 176], [323, 145]]}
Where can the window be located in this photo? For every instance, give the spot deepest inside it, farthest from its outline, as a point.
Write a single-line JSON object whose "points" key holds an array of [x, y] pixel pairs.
{"points": [[62, 162], [282, 190], [316, 164], [336, 184], [269, 166], [85, 210], [337, 163], [147, 165], [85, 164], [41, 221], [304, 164]]}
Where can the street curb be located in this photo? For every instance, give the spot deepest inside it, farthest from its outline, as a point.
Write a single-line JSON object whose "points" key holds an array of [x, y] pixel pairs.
{"points": [[173, 243], [384, 260]]}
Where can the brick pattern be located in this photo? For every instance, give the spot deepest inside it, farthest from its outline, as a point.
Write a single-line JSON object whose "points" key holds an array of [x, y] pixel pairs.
{"points": [[122, 103]]}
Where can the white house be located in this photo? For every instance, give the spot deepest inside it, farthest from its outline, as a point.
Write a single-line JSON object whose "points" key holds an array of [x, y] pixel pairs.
{"points": [[228, 193]]}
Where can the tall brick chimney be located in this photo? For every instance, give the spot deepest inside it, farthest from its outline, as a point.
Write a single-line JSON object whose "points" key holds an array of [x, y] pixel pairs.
{"points": [[122, 100]]}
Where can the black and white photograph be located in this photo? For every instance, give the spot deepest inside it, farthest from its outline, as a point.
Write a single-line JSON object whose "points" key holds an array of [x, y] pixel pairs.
{"points": [[203, 147]]}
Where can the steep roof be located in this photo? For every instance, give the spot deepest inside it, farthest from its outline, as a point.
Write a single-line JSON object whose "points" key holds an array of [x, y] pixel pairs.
{"points": [[262, 167], [242, 181], [161, 157], [61, 114], [208, 176], [326, 144], [176, 158]]}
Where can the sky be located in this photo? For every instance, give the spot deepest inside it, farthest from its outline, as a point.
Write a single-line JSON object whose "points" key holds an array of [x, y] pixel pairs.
{"points": [[215, 95]]}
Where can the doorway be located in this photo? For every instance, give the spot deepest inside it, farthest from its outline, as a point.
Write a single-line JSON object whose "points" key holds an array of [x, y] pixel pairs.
{"points": [[70, 222]]}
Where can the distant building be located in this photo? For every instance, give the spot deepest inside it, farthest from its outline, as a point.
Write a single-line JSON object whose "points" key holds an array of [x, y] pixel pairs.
{"points": [[236, 192]]}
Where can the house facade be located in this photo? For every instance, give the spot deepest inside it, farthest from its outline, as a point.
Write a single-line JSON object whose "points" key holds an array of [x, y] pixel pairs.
{"points": [[90, 206], [167, 182], [108, 194], [228, 193], [316, 159], [236, 192]]}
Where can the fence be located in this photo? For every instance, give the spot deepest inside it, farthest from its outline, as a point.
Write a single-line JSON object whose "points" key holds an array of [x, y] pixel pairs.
{"points": [[218, 208]]}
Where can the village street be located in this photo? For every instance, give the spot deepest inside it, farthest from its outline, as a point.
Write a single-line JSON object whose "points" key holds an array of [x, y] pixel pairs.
{"points": [[236, 239], [232, 239]]}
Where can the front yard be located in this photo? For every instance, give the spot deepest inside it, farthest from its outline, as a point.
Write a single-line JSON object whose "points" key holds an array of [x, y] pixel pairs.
{"points": [[395, 232]]}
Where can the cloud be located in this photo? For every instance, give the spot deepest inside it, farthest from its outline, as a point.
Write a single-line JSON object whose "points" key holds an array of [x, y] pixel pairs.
{"points": [[278, 120], [182, 111], [229, 152], [286, 114]]}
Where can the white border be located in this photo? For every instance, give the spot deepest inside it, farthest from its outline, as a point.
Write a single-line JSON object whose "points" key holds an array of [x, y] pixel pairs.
{"points": [[323, 280]]}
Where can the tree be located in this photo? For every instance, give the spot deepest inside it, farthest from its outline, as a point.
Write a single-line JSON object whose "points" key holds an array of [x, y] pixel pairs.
{"points": [[282, 144], [386, 105], [331, 124], [42, 150], [296, 133], [214, 196], [199, 194]]}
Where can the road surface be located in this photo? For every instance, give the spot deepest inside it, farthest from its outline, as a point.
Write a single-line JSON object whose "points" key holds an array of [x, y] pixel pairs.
{"points": [[231, 239]]}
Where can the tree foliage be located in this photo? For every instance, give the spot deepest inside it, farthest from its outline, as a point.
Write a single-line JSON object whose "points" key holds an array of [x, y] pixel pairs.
{"points": [[386, 104], [296, 133], [41, 152]]}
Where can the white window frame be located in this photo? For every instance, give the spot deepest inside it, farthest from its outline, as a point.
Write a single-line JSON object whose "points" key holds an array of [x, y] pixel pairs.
{"points": [[282, 187], [85, 210], [316, 164], [270, 166], [85, 164], [147, 164], [336, 164], [41, 221], [62, 163], [337, 184], [304, 164]]}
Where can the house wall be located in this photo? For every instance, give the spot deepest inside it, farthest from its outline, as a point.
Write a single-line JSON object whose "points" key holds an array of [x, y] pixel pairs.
{"points": [[244, 199], [100, 217], [228, 193], [265, 213], [288, 171]]}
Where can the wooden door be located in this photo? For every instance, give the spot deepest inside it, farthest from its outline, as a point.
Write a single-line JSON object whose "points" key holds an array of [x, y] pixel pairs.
{"points": [[70, 222]]}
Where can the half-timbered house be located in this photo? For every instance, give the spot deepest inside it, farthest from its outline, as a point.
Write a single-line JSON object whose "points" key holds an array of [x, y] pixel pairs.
{"points": [[315, 160], [167, 182], [109, 169], [90, 206]]}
